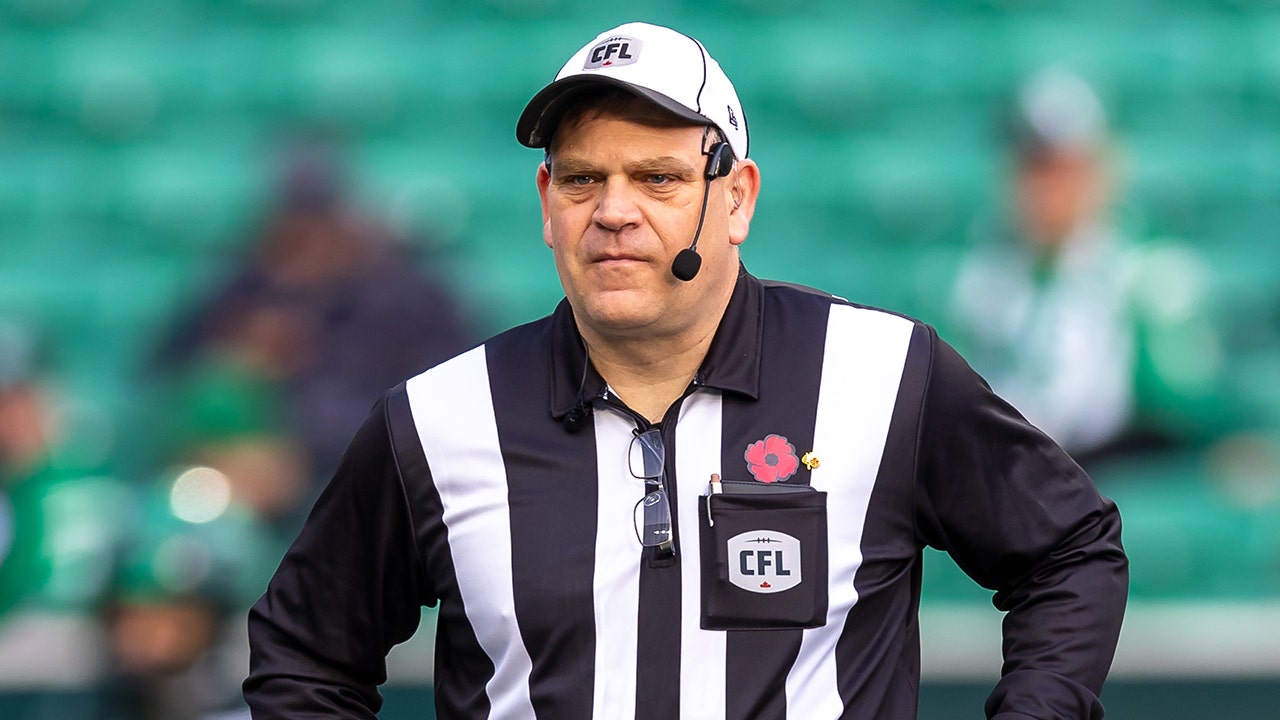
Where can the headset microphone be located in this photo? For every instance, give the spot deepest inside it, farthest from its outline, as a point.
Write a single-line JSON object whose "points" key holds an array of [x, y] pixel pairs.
{"points": [[719, 162], [686, 264]]}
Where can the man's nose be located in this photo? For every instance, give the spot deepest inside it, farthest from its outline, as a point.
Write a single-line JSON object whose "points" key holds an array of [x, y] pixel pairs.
{"points": [[616, 206]]}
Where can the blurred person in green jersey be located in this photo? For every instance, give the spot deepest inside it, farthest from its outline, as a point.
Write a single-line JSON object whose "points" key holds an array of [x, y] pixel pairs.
{"points": [[59, 532], [1098, 336]]}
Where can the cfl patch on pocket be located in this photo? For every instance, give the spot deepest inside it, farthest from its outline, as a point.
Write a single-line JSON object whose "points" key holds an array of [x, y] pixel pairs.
{"points": [[764, 561], [763, 555]]}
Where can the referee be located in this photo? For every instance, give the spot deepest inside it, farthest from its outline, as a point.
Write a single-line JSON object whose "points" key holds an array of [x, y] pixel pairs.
{"points": [[688, 492]]}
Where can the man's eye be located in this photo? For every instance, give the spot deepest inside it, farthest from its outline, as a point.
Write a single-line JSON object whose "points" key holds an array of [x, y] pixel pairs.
{"points": [[576, 180], [660, 179]]}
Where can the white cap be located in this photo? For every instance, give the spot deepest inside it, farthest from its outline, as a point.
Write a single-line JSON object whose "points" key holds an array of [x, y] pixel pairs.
{"points": [[1057, 109], [659, 64]]}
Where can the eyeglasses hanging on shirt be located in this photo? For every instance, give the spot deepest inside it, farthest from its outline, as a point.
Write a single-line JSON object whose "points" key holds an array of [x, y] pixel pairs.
{"points": [[652, 515]]}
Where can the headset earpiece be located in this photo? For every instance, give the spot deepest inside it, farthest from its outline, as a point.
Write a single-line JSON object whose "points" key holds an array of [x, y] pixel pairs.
{"points": [[719, 161]]}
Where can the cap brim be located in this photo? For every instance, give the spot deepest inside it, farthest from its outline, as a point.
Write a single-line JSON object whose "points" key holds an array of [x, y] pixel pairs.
{"points": [[542, 115]]}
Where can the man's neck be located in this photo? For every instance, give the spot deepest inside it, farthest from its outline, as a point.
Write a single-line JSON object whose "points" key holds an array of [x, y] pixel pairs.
{"points": [[649, 379], [649, 372]]}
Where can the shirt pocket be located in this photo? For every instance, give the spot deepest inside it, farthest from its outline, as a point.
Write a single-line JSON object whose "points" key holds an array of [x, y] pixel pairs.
{"points": [[763, 557]]}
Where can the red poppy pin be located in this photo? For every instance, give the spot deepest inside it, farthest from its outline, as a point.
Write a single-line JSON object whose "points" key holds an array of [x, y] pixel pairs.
{"points": [[772, 459]]}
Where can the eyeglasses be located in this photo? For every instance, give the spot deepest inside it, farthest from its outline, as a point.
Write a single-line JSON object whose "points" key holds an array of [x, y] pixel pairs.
{"points": [[647, 457]]}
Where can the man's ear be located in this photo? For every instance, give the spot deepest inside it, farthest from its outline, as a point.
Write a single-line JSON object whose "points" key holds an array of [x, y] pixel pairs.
{"points": [[742, 194], [543, 180]]}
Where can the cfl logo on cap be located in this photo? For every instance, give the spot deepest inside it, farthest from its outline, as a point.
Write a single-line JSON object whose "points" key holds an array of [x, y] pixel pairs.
{"points": [[764, 561], [612, 52]]}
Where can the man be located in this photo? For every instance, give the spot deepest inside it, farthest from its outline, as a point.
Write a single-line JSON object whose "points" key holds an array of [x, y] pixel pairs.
{"points": [[1044, 312], [688, 492], [59, 531], [1100, 341], [329, 304]]}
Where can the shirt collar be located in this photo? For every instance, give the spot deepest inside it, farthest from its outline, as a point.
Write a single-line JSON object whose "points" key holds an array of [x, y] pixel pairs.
{"points": [[732, 363]]}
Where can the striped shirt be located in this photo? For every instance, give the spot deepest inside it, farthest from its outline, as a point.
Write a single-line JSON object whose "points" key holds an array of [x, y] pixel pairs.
{"points": [[465, 489]]}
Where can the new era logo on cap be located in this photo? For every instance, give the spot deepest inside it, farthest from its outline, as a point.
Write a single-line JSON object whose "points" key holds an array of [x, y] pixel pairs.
{"points": [[613, 52]]}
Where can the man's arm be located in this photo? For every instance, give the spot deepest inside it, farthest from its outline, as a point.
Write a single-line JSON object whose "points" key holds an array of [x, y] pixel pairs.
{"points": [[351, 587], [1021, 518]]}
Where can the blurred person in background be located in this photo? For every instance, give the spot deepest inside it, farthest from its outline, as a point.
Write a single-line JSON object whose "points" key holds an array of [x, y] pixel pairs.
{"points": [[59, 535], [203, 541], [1097, 340], [265, 381], [329, 304]]}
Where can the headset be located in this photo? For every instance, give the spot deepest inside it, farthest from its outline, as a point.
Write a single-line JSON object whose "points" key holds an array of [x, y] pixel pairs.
{"points": [[719, 162]]}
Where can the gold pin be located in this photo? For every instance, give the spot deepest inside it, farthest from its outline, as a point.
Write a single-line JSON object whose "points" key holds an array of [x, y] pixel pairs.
{"points": [[810, 460]]}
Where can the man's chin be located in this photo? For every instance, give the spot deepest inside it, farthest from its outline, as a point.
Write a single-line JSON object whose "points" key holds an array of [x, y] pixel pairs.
{"points": [[620, 310]]}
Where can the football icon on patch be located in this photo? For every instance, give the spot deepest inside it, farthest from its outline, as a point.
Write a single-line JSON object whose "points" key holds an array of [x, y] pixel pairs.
{"points": [[764, 561], [772, 459]]}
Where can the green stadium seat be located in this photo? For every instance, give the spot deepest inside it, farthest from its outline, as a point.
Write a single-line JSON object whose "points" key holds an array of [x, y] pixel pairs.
{"points": [[350, 80], [194, 197], [63, 178], [485, 67], [1189, 535], [45, 13], [249, 69], [1186, 162], [117, 86], [920, 189], [452, 181], [27, 61], [284, 10], [943, 581], [15, 189], [831, 77], [519, 282]]}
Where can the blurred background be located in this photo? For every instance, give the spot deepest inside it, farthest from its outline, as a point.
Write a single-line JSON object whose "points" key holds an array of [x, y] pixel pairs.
{"points": [[227, 225]]}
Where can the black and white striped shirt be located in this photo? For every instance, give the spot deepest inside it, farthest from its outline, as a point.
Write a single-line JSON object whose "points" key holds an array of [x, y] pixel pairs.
{"points": [[464, 488]]}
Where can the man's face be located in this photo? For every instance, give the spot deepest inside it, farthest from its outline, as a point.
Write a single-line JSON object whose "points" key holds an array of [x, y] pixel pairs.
{"points": [[619, 202], [22, 428], [1056, 192]]}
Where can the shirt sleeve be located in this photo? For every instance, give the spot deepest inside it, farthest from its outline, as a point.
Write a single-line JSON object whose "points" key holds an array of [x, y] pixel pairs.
{"points": [[350, 587], [1022, 519]]}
